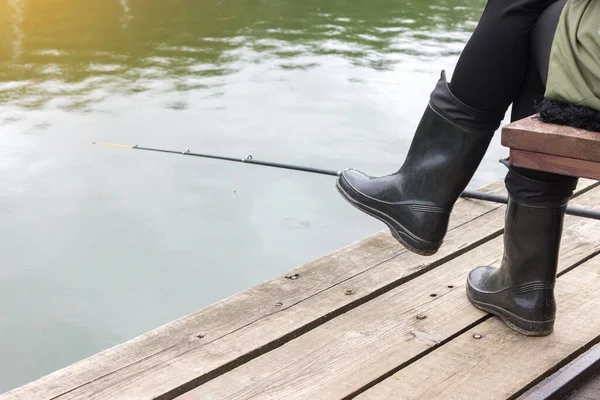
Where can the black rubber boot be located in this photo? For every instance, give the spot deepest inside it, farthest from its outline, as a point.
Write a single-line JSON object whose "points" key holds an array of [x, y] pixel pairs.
{"points": [[415, 202], [521, 291]]}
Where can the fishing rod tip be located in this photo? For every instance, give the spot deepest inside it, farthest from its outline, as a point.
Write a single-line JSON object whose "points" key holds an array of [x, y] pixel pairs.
{"points": [[113, 145]]}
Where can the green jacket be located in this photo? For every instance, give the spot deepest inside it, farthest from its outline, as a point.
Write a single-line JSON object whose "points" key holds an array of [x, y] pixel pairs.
{"points": [[574, 70]]}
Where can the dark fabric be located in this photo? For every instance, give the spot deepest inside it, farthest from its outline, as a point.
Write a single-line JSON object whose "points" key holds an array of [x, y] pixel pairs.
{"points": [[532, 91], [530, 95], [469, 119], [542, 38], [576, 116], [493, 65], [527, 185], [524, 187]]}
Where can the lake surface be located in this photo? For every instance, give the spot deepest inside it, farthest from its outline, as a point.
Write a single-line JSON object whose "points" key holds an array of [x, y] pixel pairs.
{"points": [[98, 245]]}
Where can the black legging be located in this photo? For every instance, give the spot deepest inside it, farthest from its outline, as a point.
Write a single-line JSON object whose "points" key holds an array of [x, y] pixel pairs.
{"points": [[506, 62], [492, 67]]}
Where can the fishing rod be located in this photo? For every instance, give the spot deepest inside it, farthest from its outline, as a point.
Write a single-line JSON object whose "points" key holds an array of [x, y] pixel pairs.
{"points": [[467, 194]]}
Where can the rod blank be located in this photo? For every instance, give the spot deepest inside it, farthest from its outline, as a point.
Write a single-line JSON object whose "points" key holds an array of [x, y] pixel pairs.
{"points": [[468, 194]]}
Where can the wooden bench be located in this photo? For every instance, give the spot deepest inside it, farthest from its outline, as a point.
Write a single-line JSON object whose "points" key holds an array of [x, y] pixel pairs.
{"points": [[537, 145]]}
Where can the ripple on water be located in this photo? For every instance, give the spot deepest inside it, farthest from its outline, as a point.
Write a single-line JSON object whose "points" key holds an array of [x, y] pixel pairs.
{"points": [[157, 60], [286, 56], [286, 31], [210, 70], [217, 39], [369, 38], [14, 85], [181, 49], [177, 105], [299, 66], [104, 67], [186, 61], [390, 29], [51, 69], [404, 21], [190, 85], [49, 53]]}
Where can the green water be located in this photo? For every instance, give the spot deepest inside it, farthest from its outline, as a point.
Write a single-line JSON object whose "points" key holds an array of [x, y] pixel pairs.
{"points": [[98, 245]]}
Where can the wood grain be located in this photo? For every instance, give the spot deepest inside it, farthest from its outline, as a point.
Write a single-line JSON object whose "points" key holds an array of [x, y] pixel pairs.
{"points": [[173, 358], [503, 363], [534, 135], [350, 352], [245, 310], [558, 165], [180, 368]]}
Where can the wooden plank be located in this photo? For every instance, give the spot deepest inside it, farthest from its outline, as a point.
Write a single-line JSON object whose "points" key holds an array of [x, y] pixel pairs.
{"points": [[572, 376], [250, 309], [174, 372], [352, 351], [534, 135], [502, 363], [558, 165], [165, 361]]}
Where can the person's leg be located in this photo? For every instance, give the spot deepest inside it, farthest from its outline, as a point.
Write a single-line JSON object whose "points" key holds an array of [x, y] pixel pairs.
{"points": [[521, 291], [530, 95], [454, 132], [491, 69]]}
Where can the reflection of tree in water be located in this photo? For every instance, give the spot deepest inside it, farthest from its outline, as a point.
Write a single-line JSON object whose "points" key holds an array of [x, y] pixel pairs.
{"points": [[84, 50]]}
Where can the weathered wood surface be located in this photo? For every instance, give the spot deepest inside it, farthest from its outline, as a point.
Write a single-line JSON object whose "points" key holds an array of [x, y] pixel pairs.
{"points": [[556, 164], [202, 346], [503, 363], [181, 368], [346, 355], [247, 324], [533, 135]]}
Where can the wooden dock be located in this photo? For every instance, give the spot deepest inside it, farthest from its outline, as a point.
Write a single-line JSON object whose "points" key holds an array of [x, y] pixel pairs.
{"points": [[370, 321]]}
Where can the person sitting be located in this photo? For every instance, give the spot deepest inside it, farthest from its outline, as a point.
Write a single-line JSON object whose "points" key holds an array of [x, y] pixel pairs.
{"points": [[538, 56]]}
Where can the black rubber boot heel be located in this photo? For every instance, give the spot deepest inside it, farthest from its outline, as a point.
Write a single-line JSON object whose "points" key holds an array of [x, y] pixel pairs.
{"points": [[516, 323], [401, 234]]}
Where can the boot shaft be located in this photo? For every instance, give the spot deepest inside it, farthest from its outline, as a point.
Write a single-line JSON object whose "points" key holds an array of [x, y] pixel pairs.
{"points": [[521, 291], [532, 237], [441, 161], [447, 148]]}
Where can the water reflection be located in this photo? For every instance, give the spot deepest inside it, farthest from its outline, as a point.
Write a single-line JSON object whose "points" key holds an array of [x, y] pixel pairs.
{"points": [[93, 236], [17, 21], [71, 55], [126, 14]]}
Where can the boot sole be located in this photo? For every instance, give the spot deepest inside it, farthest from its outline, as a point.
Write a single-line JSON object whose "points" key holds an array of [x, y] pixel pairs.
{"points": [[516, 323], [406, 238]]}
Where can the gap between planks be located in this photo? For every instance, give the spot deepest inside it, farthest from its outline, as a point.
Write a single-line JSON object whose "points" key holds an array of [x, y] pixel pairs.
{"points": [[503, 364], [249, 324], [240, 311], [178, 370], [356, 350]]}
